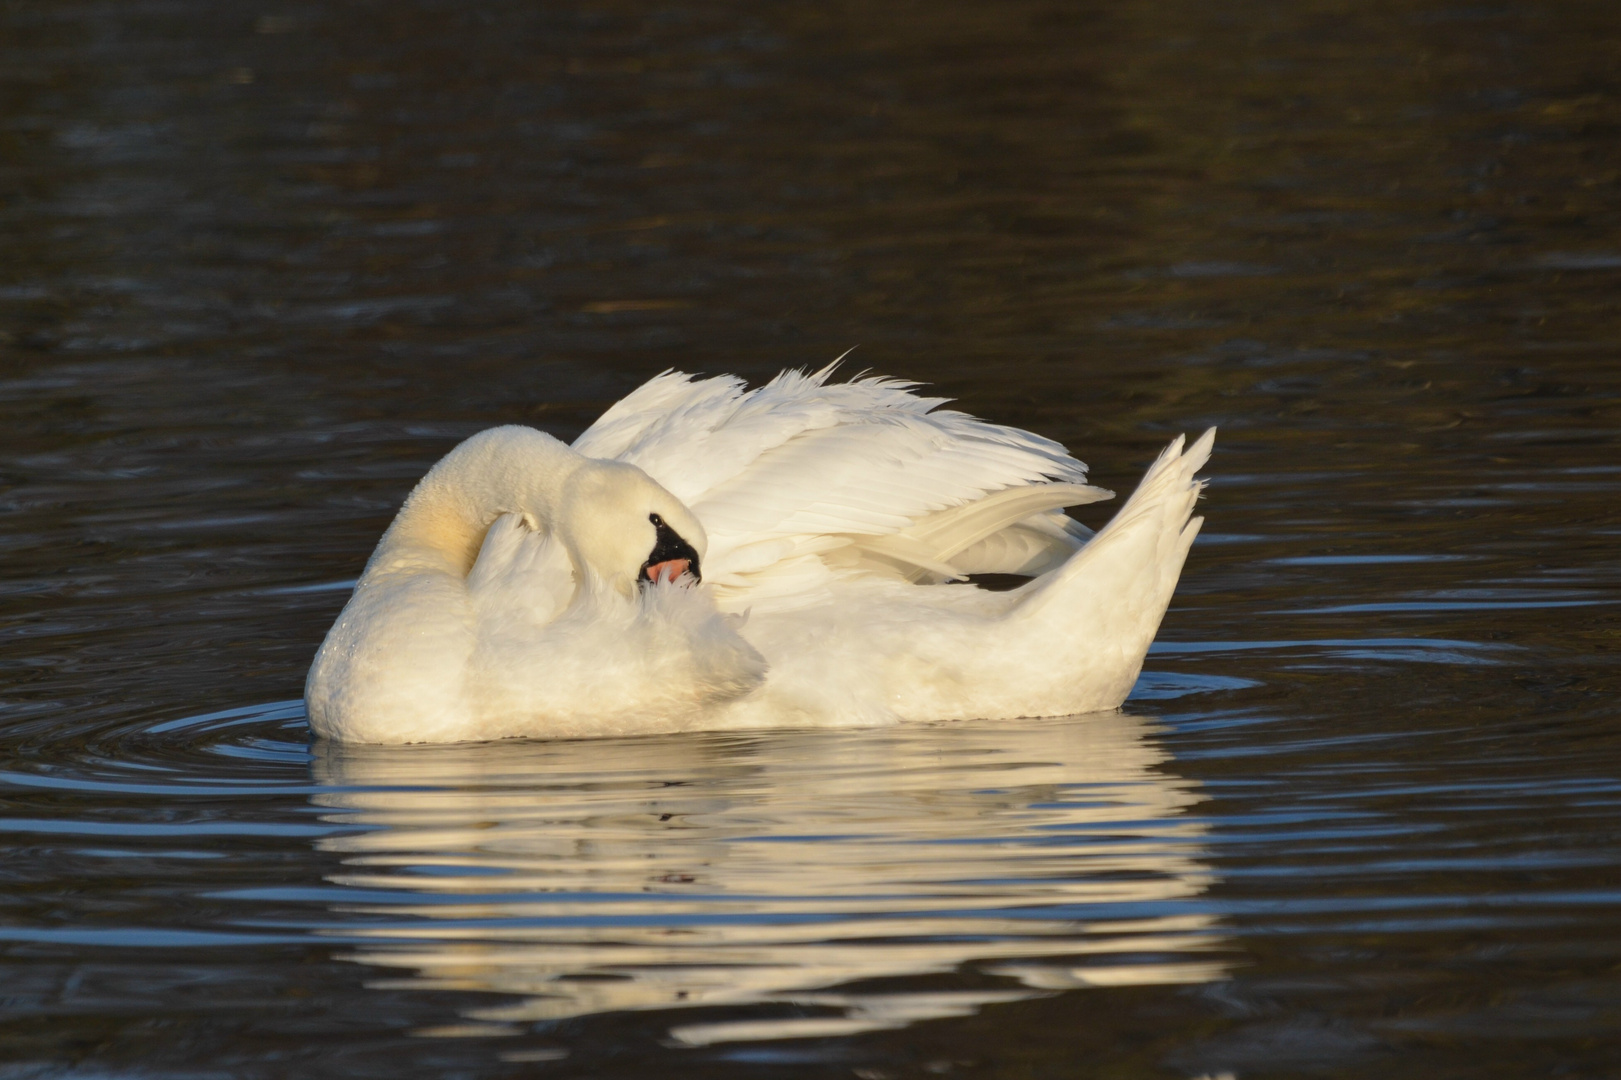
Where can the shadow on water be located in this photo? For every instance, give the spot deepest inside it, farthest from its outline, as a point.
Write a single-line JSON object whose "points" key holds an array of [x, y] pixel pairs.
{"points": [[778, 885]]}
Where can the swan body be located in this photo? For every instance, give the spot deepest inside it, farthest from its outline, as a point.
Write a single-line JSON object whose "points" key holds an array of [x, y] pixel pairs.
{"points": [[706, 556]]}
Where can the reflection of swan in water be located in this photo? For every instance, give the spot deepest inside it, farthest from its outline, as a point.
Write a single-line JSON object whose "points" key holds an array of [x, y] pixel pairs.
{"points": [[689, 871]]}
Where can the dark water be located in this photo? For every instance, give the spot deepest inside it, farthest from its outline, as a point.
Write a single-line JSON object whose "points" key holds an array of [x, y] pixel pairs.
{"points": [[260, 265]]}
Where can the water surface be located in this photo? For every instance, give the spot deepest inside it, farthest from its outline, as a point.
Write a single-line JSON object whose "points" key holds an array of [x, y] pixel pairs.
{"points": [[261, 265]]}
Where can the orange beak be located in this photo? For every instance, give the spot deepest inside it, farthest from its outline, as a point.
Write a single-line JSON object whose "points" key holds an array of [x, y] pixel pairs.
{"points": [[668, 570]]}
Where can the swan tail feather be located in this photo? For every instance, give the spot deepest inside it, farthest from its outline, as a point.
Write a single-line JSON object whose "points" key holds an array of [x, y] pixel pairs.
{"points": [[1107, 601]]}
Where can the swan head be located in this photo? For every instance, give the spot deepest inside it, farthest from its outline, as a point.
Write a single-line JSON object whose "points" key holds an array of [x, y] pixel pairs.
{"points": [[620, 527], [624, 528]]}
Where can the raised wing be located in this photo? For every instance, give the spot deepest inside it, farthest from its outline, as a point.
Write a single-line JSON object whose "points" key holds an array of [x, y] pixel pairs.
{"points": [[801, 481]]}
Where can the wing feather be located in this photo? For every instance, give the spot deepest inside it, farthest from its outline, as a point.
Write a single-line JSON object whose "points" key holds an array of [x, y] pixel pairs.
{"points": [[801, 481], [940, 539]]}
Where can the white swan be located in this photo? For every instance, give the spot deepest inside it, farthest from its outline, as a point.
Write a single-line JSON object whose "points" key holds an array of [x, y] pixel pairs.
{"points": [[709, 557]]}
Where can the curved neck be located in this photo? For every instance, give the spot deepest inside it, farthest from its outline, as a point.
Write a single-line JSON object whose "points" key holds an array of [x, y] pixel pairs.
{"points": [[504, 470]]}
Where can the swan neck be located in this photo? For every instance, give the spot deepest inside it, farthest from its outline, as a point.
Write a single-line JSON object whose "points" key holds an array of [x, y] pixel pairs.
{"points": [[444, 520]]}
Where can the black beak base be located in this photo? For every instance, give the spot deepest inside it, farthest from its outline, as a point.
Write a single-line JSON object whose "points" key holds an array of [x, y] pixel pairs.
{"points": [[668, 546]]}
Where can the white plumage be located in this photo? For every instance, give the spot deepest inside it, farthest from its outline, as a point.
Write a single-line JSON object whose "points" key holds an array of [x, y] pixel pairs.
{"points": [[512, 596]]}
